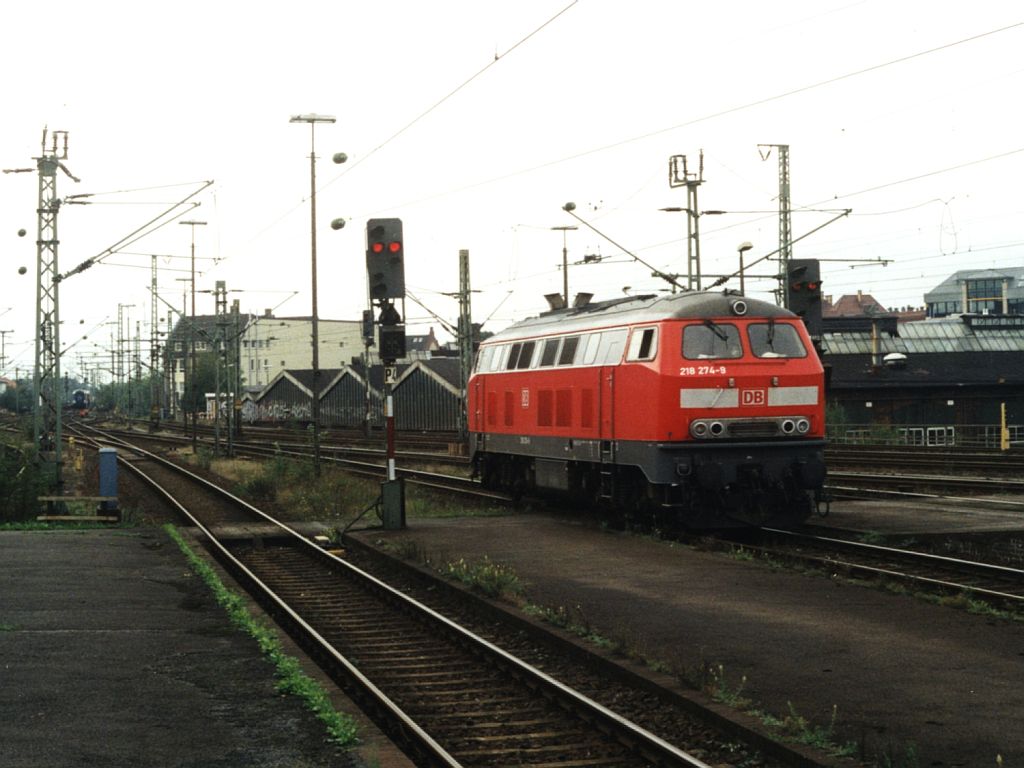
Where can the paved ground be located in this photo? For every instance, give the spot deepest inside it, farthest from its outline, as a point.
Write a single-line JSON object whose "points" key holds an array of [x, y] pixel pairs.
{"points": [[112, 654], [902, 672]]}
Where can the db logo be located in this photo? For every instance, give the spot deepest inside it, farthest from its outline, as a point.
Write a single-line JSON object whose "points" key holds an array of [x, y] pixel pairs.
{"points": [[753, 397]]}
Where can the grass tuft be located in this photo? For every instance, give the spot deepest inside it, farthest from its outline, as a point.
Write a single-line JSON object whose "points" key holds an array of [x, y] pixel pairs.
{"points": [[341, 728], [493, 579]]}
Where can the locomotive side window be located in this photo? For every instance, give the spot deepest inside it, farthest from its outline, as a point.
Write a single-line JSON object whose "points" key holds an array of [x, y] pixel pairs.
{"points": [[568, 353], [590, 349], [773, 339], [513, 357], [550, 353], [643, 345], [612, 343], [483, 360], [711, 341], [500, 356], [526, 354]]}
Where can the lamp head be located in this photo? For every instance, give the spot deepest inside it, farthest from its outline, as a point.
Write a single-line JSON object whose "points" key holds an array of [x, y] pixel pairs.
{"points": [[338, 224], [340, 157], [570, 207]]}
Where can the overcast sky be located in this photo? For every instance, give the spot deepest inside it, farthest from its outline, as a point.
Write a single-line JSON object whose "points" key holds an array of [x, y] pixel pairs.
{"points": [[476, 121]]}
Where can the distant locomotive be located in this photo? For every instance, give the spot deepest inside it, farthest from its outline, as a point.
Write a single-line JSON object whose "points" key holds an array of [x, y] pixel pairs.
{"points": [[705, 408], [81, 400]]}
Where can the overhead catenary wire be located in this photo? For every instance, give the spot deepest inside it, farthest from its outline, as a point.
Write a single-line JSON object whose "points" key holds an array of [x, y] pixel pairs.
{"points": [[359, 161], [714, 115]]}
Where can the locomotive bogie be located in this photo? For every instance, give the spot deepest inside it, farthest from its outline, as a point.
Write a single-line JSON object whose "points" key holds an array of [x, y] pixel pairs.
{"points": [[702, 404]]}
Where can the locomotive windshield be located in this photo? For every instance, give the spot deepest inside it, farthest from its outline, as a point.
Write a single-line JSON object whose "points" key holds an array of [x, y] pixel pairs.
{"points": [[711, 341], [773, 339]]}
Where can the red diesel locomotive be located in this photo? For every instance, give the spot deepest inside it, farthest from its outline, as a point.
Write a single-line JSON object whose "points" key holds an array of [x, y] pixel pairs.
{"points": [[707, 408]]}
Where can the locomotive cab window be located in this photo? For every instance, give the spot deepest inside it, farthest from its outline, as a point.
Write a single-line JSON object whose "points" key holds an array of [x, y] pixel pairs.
{"points": [[774, 339], [712, 341], [643, 344]]}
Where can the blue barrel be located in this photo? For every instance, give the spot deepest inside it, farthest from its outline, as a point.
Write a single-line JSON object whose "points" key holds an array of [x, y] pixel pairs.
{"points": [[108, 477]]}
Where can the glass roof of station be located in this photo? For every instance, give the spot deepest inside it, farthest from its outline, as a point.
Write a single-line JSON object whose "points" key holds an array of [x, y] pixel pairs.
{"points": [[954, 334]]}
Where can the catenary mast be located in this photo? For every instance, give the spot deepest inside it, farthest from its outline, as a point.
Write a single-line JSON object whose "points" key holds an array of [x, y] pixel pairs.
{"points": [[46, 380]]}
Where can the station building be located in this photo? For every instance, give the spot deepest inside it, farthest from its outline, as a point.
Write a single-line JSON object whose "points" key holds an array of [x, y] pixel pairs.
{"points": [[951, 373], [978, 291]]}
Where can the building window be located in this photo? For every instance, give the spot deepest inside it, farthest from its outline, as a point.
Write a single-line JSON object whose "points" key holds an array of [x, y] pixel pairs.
{"points": [[985, 289]]}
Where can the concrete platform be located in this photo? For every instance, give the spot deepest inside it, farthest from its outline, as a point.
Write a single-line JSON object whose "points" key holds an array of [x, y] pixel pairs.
{"points": [[112, 653]]}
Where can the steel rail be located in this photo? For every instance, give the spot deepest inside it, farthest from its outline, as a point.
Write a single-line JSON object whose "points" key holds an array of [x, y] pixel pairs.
{"points": [[974, 568]]}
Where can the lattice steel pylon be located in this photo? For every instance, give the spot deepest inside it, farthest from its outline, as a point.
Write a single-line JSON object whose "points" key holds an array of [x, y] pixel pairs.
{"points": [[46, 379], [785, 215]]}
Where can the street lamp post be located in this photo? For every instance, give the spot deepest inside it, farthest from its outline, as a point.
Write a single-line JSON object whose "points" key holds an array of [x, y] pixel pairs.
{"points": [[743, 248], [191, 370], [313, 119], [565, 260]]}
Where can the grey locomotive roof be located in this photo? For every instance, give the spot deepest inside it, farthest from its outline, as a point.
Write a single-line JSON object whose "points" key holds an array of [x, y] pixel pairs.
{"points": [[638, 309]]}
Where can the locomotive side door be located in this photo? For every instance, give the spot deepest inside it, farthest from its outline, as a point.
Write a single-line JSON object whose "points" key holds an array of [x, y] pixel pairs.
{"points": [[476, 418], [606, 387]]}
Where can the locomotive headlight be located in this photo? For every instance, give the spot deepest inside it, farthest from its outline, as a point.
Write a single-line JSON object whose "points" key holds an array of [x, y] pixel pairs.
{"points": [[803, 426], [717, 429], [788, 426], [699, 429]]}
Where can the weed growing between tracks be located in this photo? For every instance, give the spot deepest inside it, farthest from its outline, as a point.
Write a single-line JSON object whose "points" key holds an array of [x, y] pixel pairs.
{"points": [[493, 579], [63, 527], [290, 677], [500, 582], [337, 496]]}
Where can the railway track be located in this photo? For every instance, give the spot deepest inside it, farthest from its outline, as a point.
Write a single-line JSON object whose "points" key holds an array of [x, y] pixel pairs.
{"points": [[353, 459], [871, 484], [449, 696], [983, 463], [439, 443], [994, 583]]}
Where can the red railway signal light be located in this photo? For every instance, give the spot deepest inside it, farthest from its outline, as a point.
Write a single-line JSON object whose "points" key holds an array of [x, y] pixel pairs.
{"points": [[803, 292], [385, 258]]}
